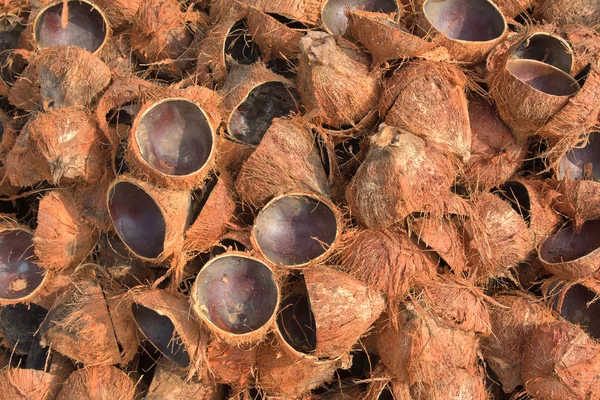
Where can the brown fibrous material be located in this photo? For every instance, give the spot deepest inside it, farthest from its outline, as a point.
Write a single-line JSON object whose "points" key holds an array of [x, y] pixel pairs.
{"points": [[231, 364], [98, 383], [170, 383], [28, 383], [274, 38]]}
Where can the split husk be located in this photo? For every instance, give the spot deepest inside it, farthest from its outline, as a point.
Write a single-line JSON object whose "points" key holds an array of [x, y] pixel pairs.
{"points": [[98, 383], [121, 315], [275, 35], [335, 21], [31, 384], [512, 8], [169, 383]]}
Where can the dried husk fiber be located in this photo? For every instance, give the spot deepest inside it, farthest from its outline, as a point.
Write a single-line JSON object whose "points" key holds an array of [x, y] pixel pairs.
{"points": [[570, 12], [101, 382], [169, 383], [275, 39], [31, 384], [231, 364]]}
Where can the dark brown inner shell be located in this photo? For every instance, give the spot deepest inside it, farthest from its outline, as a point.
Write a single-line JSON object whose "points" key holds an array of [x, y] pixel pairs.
{"points": [[543, 77], [582, 162], [385, 395], [252, 118], [296, 323], [19, 323], [137, 219], [468, 20], [295, 229], [160, 331], [333, 13], [548, 49], [517, 195], [174, 137], [239, 45], [567, 245], [237, 294], [86, 27], [576, 310], [19, 275]]}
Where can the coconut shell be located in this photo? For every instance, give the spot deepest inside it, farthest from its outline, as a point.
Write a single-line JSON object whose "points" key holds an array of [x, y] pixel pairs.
{"points": [[101, 382], [214, 216], [169, 383], [231, 364], [570, 12], [287, 158], [560, 361], [513, 319], [343, 307], [274, 38], [59, 77], [334, 81], [31, 384], [428, 99], [579, 201], [401, 174], [62, 238], [79, 326], [495, 153], [126, 332], [170, 206]]}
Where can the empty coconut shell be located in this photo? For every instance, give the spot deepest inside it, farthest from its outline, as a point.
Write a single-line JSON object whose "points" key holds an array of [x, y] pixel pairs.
{"points": [[31, 384], [98, 383], [297, 229], [275, 35], [575, 302], [335, 20], [169, 383], [237, 297], [231, 364], [543, 45]]}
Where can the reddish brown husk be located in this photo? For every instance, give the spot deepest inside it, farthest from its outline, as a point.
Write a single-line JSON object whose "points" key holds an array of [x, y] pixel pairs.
{"points": [[212, 221], [126, 332], [91, 201], [304, 11], [402, 174], [60, 76], [9, 134], [79, 326], [287, 158], [60, 146], [578, 200], [274, 39], [569, 12], [513, 319], [29, 384], [119, 13], [170, 383], [231, 364], [428, 99], [343, 307], [512, 8], [495, 153], [62, 237], [561, 362], [496, 237], [334, 80], [57, 282], [98, 383]]}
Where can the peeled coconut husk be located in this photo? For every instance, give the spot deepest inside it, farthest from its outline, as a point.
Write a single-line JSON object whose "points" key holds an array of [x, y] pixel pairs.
{"points": [[170, 383], [119, 13], [495, 153], [237, 297], [59, 145], [18, 324], [469, 29], [173, 142], [30, 384], [61, 76], [572, 255], [570, 12], [496, 237], [8, 134], [428, 99], [335, 20], [98, 383], [137, 208], [513, 319], [217, 209], [91, 201], [561, 362], [275, 35], [62, 238], [79, 325], [21, 278], [401, 174], [297, 229], [287, 158], [166, 322], [334, 80], [343, 309], [231, 364]]}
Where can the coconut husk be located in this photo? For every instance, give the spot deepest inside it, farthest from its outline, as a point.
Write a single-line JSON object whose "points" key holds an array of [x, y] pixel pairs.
{"points": [[456, 384], [297, 229], [560, 361], [274, 38], [101, 382], [31, 384], [169, 383], [231, 155], [79, 325], [57, 282], [304, 11], [335, 96], [8, 134], [169, 208], [91, 201], [428, 99], [570, 12], [394, 182], [287, 158], [126, 332], [585, 43], [166, 322], [513, 319], [384, 37], [382, 386], [21, 279], [335, 21], [221, 297], [343, 307], [119, 13], [62, 238], [231, 364], [572, 256], [117, 54], [497, 237], [216, 213], [62, 76], [512, 8], [578, 200], [495, 153]]}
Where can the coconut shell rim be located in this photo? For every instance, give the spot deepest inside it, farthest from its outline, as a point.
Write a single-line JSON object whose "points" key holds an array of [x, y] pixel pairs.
{"points": [[581, 260], [398, 3], [520, 60], [562, 41]]}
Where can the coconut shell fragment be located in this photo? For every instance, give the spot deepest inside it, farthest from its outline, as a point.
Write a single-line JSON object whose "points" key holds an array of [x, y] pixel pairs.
{"points": [[30, 384], [98, 383]]}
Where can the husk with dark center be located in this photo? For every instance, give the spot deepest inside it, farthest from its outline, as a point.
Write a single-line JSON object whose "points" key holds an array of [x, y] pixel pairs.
{"points": [[513, 319], [560, 361], [231, 364], [578, 200], [126, 332], [98, 383], [334, 81], [275, 39], [170, 383], [287, 158], [30, 384], [402, 174]]}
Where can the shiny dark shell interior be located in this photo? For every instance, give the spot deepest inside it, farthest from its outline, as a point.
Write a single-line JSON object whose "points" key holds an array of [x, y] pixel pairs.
{"points": [[548, 49], [567, 245], [543, 77], [19, 274], [297, 324], [582, 162]]}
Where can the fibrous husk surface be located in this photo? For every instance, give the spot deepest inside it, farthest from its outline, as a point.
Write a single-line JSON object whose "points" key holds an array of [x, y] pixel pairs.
{"points": [[169, 383], [102, 382], [29, 384]]}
